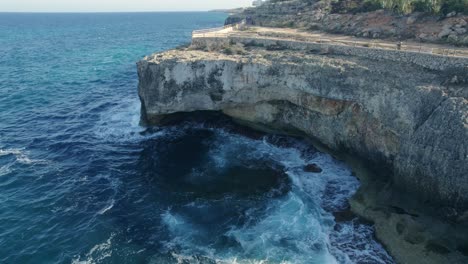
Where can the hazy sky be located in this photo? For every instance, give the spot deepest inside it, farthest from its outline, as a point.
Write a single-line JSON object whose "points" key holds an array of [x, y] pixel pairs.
{"points": [[116, 5]]}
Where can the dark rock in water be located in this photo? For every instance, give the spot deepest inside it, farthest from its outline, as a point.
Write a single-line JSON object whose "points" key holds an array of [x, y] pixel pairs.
{"points": [[344, 216], [306, 149], [314, 168], [282, 141]]}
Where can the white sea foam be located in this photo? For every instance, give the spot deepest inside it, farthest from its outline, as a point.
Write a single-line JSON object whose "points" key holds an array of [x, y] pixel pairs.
{"points": [[107, 208], [183, 259], [10, 151], [295, 228], [97, 253], [21, 155], [354, 240], [291, 231], [5, 169], [121, 123], [114, 183], [185, 237]]}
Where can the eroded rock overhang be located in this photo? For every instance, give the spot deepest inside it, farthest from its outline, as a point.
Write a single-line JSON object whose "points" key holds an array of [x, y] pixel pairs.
{"points": [[400, 116]]}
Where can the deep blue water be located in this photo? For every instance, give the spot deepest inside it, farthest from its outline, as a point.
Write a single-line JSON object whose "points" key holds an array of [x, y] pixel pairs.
{"points": [[82, 182]]}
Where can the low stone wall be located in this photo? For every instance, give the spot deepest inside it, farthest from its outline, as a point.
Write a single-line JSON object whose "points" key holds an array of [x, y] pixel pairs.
{"points": [[426, 60]]}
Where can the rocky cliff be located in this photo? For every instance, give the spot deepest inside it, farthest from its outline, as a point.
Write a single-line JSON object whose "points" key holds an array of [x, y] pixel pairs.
{"points": [[401, 116], [407, 121]]}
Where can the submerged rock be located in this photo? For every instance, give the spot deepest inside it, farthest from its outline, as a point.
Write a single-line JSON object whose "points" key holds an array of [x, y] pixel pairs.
{"points": [[314, 168], [344, 216]]}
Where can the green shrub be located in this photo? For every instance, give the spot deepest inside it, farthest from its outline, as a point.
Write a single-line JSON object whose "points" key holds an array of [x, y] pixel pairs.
{"points": [[371, 5], [422, 6], [448, 6], [228, 51]]}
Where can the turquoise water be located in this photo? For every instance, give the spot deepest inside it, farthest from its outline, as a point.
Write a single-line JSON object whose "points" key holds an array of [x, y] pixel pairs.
{"points": [[82, 182]]}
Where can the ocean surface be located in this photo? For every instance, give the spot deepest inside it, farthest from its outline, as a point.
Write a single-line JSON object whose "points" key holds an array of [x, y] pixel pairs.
{"points": [[82, 182]]}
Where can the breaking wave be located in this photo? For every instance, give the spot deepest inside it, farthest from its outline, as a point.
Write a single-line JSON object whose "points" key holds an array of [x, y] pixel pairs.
{"points": [[292, 228]]}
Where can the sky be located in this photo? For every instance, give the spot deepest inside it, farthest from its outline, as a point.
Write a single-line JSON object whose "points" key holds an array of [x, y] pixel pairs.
{"points": [[117, 5]]}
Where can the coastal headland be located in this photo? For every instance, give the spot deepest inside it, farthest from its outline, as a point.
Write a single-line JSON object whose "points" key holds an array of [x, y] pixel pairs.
{"points": [[397, 113]]}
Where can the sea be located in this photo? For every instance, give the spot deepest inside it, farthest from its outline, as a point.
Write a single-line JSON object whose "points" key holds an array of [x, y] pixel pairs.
{"points": [[82, 182]]}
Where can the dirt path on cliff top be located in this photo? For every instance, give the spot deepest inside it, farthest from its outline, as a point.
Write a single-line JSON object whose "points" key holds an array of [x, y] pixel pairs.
{"points": [[298, 35]]}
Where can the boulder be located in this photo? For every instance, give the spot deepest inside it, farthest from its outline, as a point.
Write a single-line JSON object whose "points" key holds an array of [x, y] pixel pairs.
{"points": [[411, 20], [451, 14], [314, 168], [445, 32], [460, 30]]}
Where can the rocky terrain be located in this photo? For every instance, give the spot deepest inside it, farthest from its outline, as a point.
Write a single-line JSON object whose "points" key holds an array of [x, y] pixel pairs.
{"points": [[321, 15], [407, 122]]}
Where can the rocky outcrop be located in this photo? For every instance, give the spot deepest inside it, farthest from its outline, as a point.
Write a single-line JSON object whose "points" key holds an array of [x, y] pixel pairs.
{"points": [[380, 24], [410, 122]]}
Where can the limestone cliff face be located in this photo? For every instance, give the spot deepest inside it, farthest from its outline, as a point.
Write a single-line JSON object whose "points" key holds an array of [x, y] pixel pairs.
{"points": [[398, 116]]}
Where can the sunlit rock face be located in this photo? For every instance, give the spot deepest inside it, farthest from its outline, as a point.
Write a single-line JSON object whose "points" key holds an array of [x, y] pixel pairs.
{"points": [[410, 122]]}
